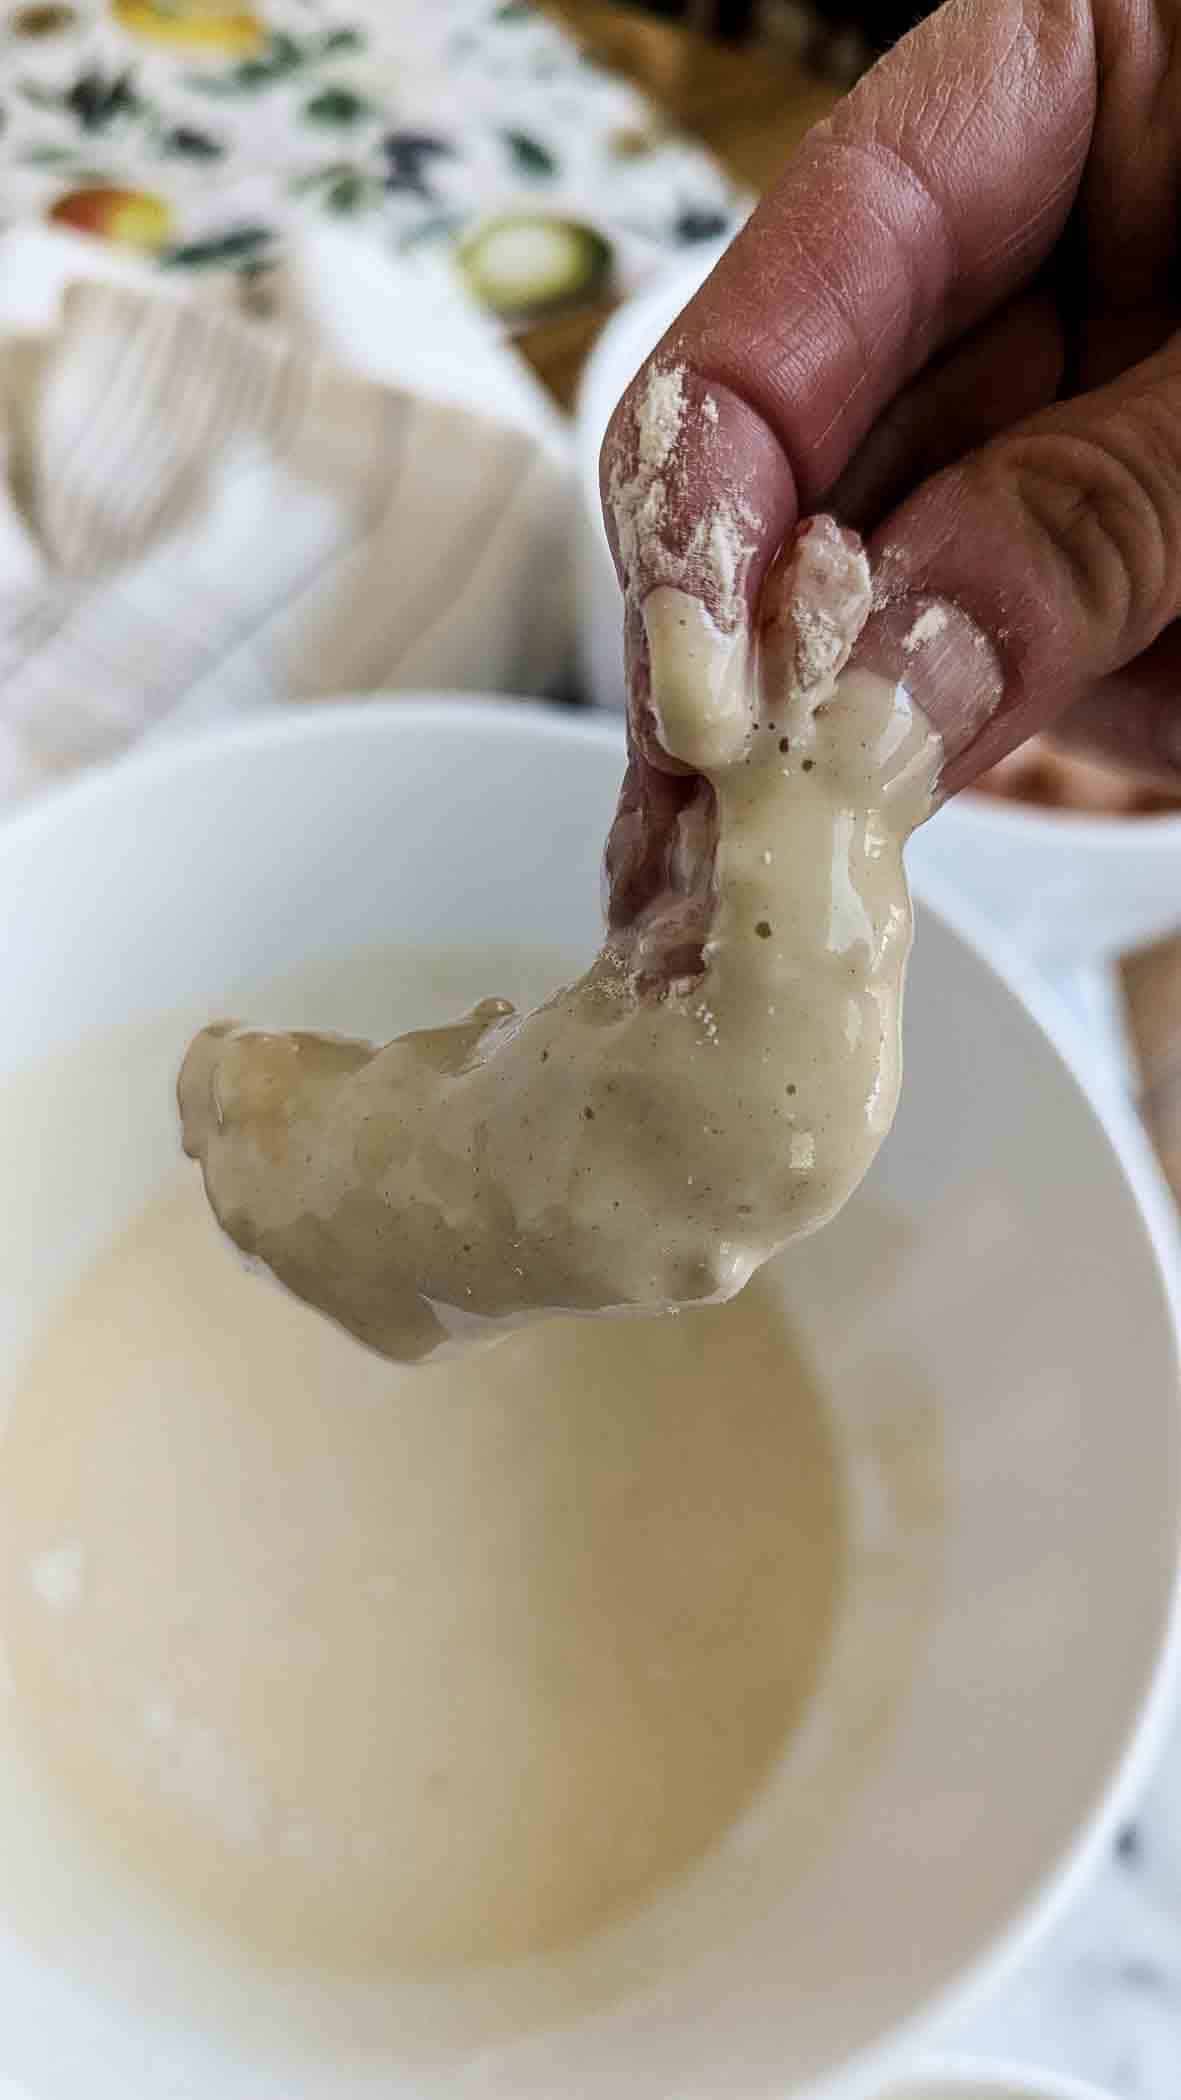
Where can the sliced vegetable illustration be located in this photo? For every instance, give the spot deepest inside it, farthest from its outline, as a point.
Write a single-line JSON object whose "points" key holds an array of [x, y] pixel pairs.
{"points": [[192, 25], [525, 264], [130, 218]]}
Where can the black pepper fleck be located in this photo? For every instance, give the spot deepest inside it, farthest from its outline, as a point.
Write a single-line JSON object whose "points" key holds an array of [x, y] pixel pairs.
{"points": [[544, 1056], [1128, 1845], [1143, 1976], [791, 1088], [784, 744], [763, 929], [588, 1115], [808, 765]]}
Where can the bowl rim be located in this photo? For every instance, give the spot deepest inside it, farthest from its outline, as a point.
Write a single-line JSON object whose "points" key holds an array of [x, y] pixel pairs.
{"points": [[994, 2078], [1050, 1900], [144, 770]]}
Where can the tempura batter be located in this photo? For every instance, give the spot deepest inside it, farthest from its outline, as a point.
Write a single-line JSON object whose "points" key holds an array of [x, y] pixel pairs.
{"points": [[715, 1085]]}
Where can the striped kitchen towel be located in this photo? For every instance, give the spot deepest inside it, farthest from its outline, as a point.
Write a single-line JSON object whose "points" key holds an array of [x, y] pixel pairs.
{"points": [[204, 513]]}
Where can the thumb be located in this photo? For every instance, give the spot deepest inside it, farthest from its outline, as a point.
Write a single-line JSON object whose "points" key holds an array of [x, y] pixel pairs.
{"points": [[1011, 586]]}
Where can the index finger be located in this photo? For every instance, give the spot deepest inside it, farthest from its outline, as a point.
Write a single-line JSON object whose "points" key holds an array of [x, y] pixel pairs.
{"points": [[936, 189]]}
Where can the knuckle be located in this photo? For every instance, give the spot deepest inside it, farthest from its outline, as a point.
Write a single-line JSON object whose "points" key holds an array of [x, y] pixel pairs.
{"points": [[1102, 512]]}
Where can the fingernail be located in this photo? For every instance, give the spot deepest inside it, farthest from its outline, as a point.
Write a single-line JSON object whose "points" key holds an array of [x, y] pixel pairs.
{"points": [[947, 663]]}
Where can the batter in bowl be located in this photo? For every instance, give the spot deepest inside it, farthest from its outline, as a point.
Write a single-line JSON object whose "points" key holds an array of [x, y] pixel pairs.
{"points": [[382, 1670], [716, 1084]]}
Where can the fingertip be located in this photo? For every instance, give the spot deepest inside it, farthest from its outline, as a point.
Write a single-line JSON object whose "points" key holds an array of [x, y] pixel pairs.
{"points": [[696, 492], [814, 604], [698, 681]]}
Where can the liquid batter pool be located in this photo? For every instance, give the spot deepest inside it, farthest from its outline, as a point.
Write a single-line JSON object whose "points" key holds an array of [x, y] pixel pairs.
{"points": [[383, 1667]]}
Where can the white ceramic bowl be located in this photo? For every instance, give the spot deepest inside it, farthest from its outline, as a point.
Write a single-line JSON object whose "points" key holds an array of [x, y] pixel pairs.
{"points": [[972, 2081], [1069, 889], [996, 1321]]}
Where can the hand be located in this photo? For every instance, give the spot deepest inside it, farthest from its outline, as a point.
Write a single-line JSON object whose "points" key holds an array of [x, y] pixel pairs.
{"points": [[953, 322]]}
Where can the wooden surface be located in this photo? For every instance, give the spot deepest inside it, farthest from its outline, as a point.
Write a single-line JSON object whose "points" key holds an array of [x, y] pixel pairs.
{"points": [[751, 106], [1152, 1000]]}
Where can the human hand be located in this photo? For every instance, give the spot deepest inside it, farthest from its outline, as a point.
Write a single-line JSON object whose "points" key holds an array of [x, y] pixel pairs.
{"points": [[952, 322]]}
